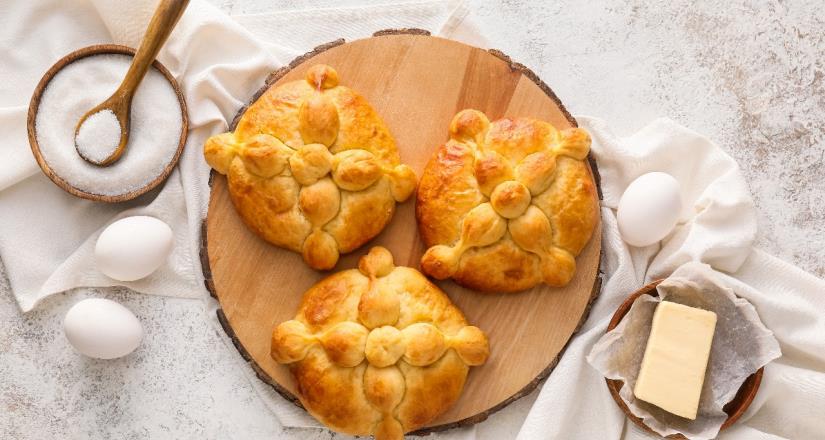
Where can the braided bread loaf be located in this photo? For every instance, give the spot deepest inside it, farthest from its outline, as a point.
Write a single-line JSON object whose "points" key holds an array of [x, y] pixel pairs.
{"points": [[504, 206], [378, 350], [311, 167]]}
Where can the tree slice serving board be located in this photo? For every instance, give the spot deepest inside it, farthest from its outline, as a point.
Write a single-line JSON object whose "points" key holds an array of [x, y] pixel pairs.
{"points": [[416, 83]]}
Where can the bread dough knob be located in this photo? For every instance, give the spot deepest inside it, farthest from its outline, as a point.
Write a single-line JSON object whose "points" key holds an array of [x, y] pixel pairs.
{"points": [[385, 345], [469, 125], [377, 263], [320, 250], [510, 199], [265, 156], [384, 388], [344, 343], [481, 226], [536, 171], [440, 262], [558, 267], [403, 180], [379, 306], [533, 232], [310, 163], [219, 150], [491, 169], [354, 170], [318, 120], [425, 344], [575, 143], [471, 345], [290, 342], [322, 77], [389, 429], [320, 201]]}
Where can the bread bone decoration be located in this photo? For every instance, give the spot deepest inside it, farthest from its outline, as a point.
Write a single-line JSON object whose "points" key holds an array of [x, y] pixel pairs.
{"points": [[378, 350], [311, 167], [504, 206]]}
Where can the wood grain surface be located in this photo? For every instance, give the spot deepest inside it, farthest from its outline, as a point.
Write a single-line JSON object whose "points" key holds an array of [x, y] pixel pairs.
{"points": [[416, 83]]}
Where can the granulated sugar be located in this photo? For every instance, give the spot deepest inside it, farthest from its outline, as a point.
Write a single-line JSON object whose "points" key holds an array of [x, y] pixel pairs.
{"points": [[98, 136], [156, 125]]}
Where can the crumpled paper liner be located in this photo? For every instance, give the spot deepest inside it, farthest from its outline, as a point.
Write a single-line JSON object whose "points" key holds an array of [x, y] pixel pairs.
{"points": [[741, 345]]}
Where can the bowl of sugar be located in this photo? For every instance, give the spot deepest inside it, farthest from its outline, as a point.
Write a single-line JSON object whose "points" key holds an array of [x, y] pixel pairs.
{"points": [[78, 82]]}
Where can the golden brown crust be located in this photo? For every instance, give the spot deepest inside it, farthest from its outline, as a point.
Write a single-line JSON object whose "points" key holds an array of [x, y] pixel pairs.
{"points": [[506, 205], [312, 168], [567, 205], [378, 350], [432, 390], [516, 270], [371, 208], [333, 395], [447, 191]]}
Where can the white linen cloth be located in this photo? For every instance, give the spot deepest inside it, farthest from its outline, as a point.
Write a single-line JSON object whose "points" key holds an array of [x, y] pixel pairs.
{"points": [[47, 236]]}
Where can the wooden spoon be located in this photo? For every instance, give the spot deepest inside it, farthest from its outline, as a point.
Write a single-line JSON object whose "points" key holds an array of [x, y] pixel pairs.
{"points": [[120, 103]]}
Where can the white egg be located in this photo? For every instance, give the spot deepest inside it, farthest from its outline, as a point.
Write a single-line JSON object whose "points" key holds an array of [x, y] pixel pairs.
{"points": [[649, 209], [103, 329], [133, 247]]}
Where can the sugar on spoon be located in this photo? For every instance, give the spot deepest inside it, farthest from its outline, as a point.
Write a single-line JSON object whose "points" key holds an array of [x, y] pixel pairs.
{"points": [[102, 133]]}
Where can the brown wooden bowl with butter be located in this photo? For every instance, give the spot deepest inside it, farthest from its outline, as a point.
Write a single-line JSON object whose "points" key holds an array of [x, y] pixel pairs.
{"points": [[734, 409]]}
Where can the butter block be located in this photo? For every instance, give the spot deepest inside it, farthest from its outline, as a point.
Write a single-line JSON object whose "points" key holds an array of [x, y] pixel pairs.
{"points": [[676, 357]]}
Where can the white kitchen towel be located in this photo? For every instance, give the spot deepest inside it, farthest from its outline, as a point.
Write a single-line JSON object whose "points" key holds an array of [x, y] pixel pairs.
{"points": [[47, 237]]}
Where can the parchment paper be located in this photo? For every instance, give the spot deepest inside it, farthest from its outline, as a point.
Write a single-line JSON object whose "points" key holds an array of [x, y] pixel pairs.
{"points": [[741, 345]]}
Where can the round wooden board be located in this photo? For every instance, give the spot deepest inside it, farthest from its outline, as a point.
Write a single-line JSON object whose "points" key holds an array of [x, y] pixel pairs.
{"points": [[416, 83]]}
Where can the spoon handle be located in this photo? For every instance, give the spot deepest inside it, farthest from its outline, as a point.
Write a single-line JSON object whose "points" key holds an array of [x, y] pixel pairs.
{"points": [[166, 16]]}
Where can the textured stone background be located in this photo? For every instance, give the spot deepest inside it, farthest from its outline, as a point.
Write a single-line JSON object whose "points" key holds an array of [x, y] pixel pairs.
{"points": [[749, 75]]}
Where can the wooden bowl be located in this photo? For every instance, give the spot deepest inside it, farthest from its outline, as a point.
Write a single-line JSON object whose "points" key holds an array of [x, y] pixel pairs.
{"points": [[34, 104], [734, 409]]}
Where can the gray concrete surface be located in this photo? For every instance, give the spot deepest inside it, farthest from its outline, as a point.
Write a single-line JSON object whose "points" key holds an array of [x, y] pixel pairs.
{"points": [[747, 74]]}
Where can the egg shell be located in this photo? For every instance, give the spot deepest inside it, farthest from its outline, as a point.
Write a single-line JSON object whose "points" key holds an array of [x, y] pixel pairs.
{"points": [[649, 209], [133, 247], [103, 329]]}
